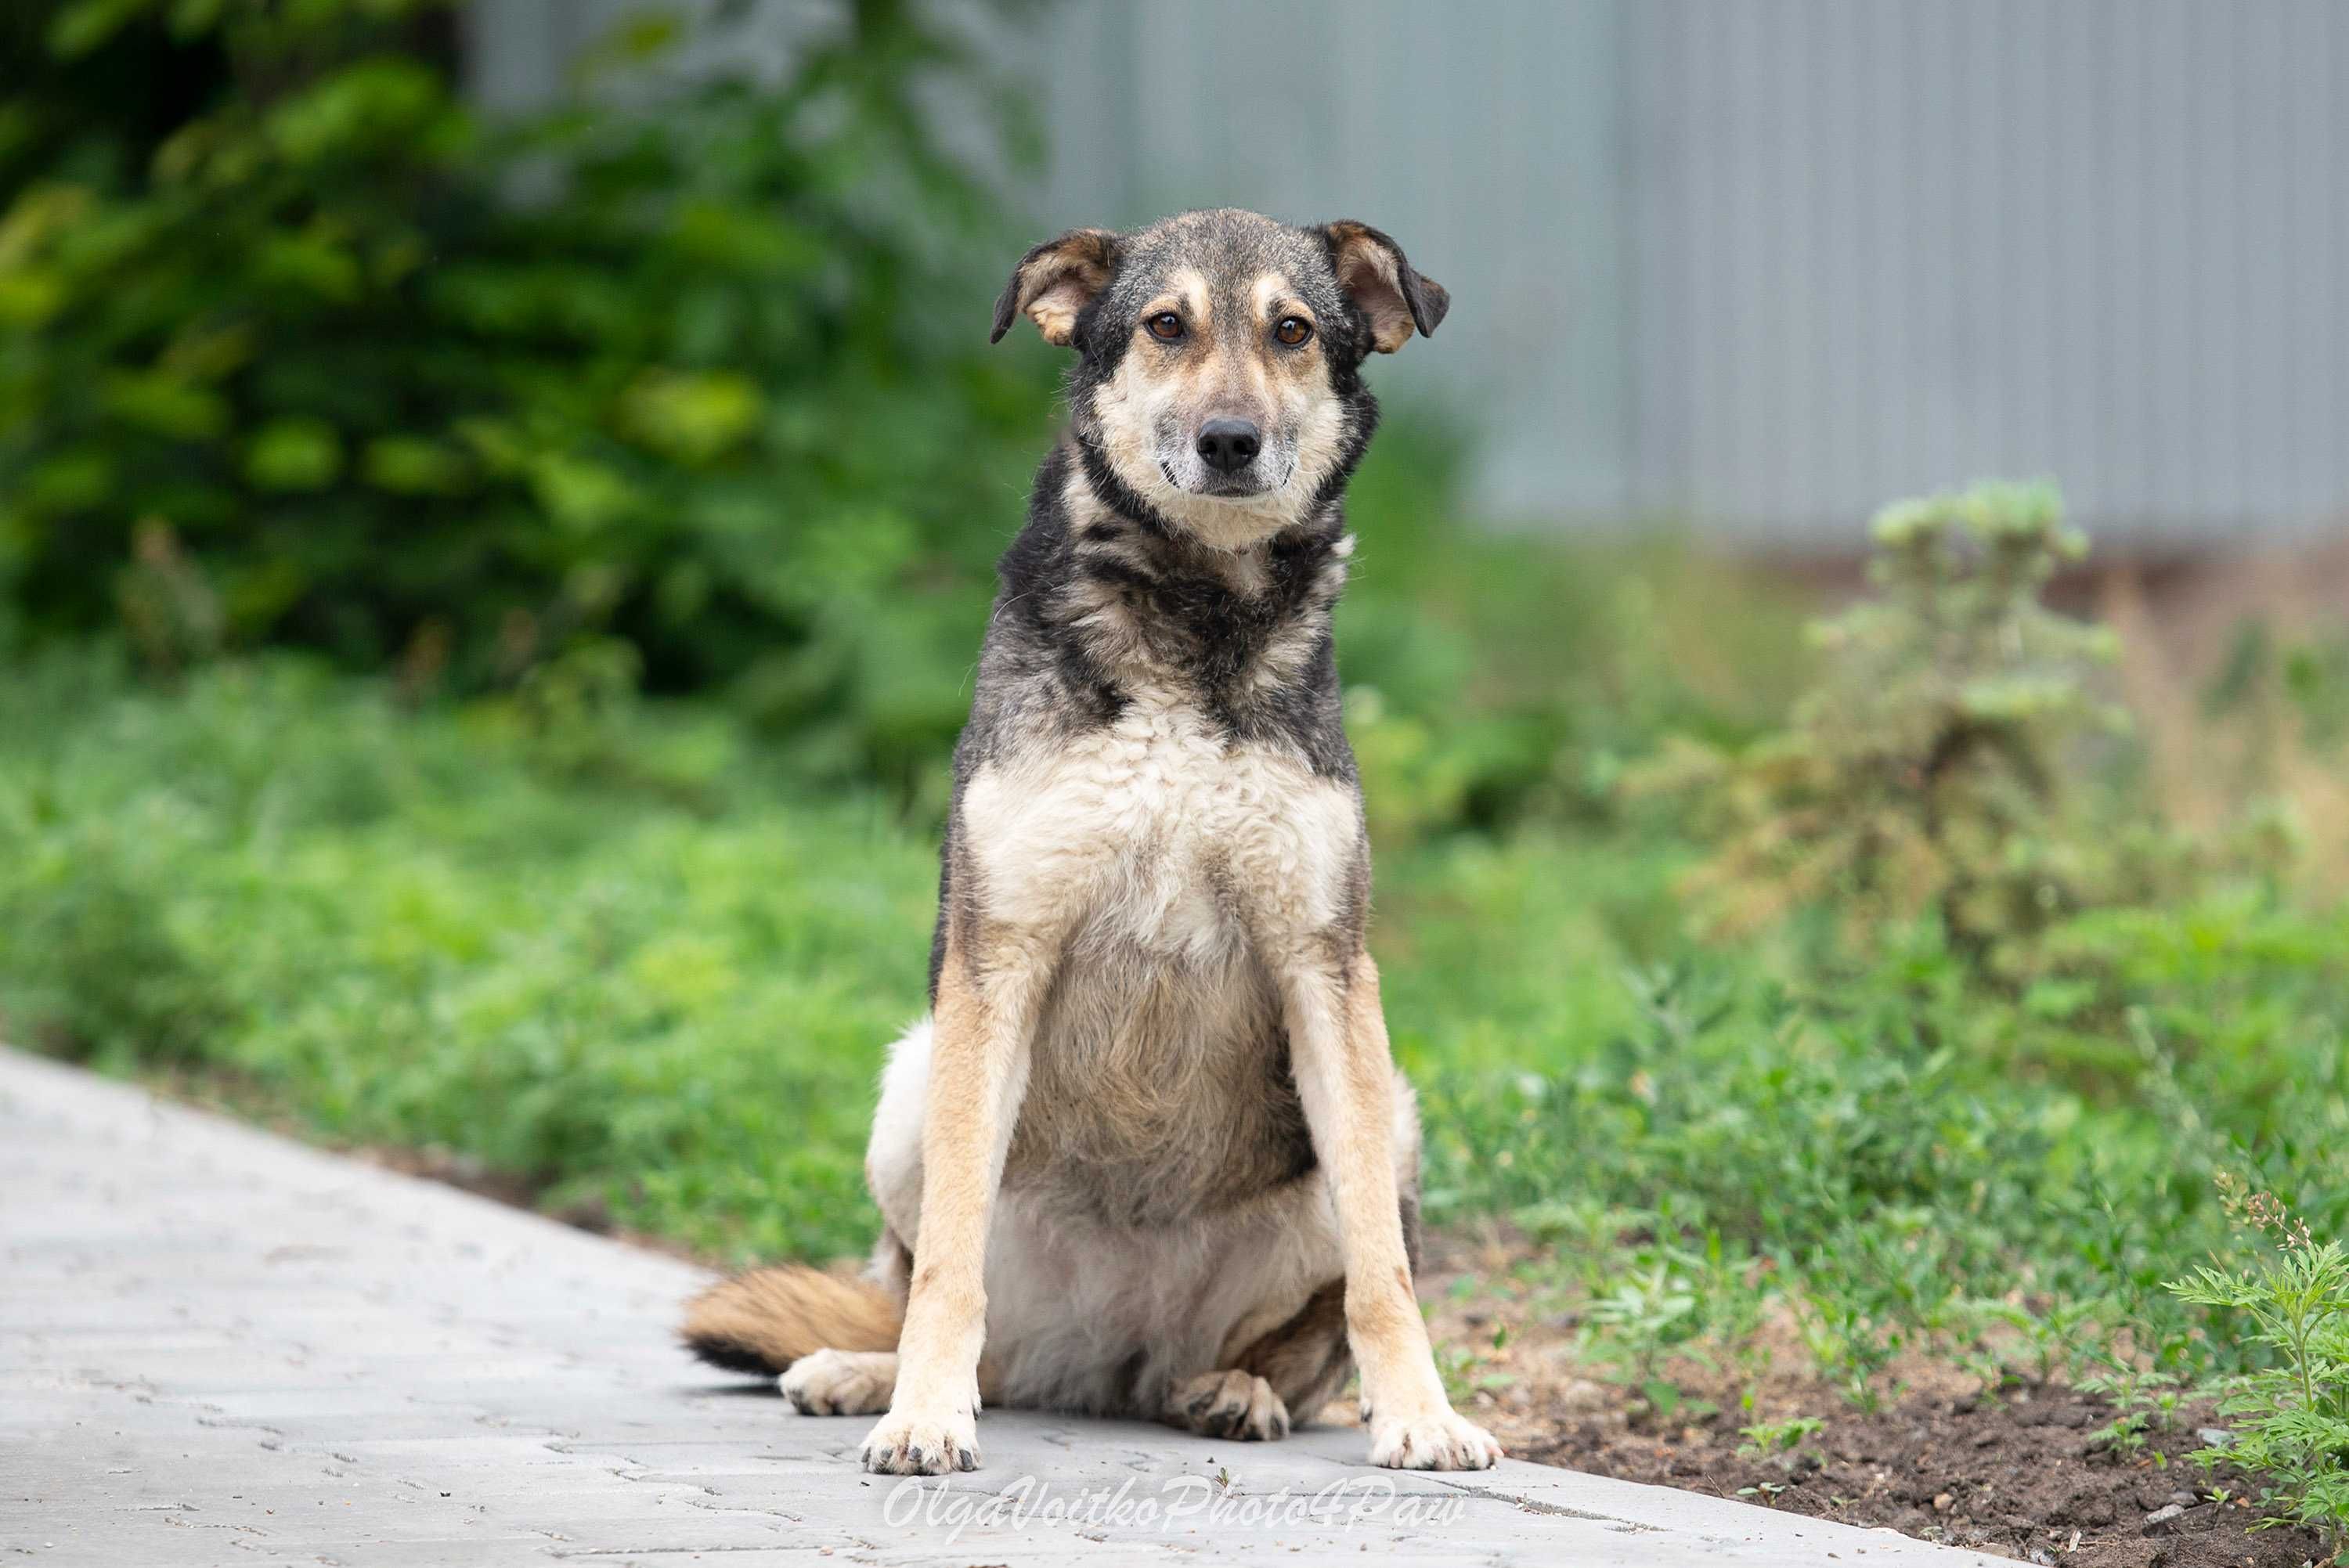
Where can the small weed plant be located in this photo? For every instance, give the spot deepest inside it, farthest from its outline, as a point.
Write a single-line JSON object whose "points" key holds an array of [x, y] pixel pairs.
{"points": [[1765, 1439], [2292, 1430], [2141, 1401]]}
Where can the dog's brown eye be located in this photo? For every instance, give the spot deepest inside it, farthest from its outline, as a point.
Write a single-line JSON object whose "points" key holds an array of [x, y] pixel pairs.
{"points": [[1293, 330], [1166, 326]]}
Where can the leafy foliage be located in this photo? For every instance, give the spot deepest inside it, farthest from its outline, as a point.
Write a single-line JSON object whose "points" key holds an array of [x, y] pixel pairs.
{"points": [[1977, 1129], [1930, 769], [303, 350], [611, 965], [657, 388], [2293, 1299]]}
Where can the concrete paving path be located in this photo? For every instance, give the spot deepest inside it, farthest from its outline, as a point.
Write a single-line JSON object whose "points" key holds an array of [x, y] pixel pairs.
{"points": [[217, 1346]]}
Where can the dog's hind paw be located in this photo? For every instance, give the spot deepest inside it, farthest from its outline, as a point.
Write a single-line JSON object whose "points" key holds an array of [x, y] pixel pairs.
{"points": [[914, 1443], [1228, 1404], [1442, 1442], [841, 1382]]}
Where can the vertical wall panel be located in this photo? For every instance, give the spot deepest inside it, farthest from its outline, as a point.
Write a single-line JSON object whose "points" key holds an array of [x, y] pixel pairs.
{"points": [[1763, 264], [2099, 240]]}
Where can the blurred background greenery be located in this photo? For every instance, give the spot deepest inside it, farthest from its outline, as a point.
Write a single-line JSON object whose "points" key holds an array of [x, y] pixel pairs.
{"points": [[486, 603]]}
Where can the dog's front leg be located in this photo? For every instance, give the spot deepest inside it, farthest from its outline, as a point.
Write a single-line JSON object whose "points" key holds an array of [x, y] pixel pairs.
{"points": [[984, 1017], [1337, 1043]]}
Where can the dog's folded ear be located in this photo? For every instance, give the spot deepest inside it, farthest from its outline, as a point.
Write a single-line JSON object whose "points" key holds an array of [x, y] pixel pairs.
{"points": [[1055, 281], [1374, 274]]}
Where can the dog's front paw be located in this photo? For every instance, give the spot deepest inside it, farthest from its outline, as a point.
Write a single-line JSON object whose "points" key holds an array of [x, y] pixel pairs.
{"points": [[1442, 1442], [917, 1442]]}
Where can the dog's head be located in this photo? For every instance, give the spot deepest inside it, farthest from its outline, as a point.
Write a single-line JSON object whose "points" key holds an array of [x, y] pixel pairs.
{"points": [[1219, 353]]}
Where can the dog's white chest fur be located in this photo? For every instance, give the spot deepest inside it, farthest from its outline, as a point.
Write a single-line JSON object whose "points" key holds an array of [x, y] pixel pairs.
{"points": [[1160, 831], [1159, 1194]]}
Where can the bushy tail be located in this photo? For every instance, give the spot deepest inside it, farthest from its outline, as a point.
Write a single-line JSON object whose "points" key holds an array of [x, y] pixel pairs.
{"points": [[765, 1319]]}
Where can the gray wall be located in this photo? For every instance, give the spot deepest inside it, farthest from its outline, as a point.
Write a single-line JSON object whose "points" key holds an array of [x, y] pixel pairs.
{"points": [[1761, 264], [1767, 264]]}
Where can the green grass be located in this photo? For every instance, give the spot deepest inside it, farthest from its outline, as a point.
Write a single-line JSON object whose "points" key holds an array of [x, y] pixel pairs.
{"points": [[625, 961], [668, 991], [613, 952]]}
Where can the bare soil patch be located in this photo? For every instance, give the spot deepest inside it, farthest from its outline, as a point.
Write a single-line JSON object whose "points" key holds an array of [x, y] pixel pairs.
{"points": [[2021, 1475]]}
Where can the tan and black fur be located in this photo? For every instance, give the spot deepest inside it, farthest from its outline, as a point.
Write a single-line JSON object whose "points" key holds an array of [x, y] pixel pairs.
{"points": [[1148, 1154]]}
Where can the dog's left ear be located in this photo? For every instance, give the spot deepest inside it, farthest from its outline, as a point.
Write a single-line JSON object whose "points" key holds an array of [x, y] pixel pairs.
{"points": [[1055, 281], [1374, 274]]}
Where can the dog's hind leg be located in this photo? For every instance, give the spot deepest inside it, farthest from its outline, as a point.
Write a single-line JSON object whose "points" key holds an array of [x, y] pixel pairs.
{"points": [[1281, 1378], [1227, 1404], [841, 1382], [1305, 1360], [859, 1381]]}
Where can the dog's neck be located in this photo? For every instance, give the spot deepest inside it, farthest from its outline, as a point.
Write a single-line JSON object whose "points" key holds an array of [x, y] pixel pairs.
{"points": [[1132, 606]]}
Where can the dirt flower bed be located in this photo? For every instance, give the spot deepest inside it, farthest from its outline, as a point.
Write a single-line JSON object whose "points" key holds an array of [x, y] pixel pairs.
{"points": [[2023, 1475]]}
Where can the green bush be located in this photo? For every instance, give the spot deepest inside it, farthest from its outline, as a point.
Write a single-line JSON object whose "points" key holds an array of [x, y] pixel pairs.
{"points": [[1936, 766], [299, 349]]}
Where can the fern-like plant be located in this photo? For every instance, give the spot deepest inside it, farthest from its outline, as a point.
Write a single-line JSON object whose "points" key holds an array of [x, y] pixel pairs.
{"points": [[2293, 1434]]}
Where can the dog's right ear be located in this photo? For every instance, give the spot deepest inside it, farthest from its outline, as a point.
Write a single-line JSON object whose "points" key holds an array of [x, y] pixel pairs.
{"points": [[1055, 281]]}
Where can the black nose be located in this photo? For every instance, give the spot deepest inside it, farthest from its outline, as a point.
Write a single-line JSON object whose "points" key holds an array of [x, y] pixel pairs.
{"points": [[1229, 445]]}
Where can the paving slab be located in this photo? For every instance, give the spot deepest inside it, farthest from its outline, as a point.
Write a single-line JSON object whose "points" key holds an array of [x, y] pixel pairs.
{"points": [[219, 1346]]}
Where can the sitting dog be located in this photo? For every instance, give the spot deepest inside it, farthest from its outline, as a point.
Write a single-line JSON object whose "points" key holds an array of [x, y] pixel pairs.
{"points": [[1148, 1155]]}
